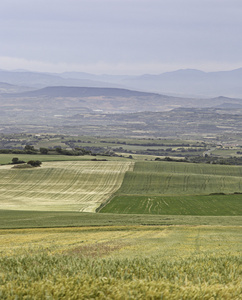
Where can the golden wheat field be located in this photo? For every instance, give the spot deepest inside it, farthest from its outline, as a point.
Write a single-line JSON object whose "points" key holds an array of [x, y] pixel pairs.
{"points": [[121, 262], [65, 185]]}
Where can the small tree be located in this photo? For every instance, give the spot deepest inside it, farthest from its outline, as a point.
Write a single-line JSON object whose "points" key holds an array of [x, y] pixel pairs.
{"points": [[34, 163], [58, 149], [15, 161], [29, 149], [167, 158], [43, 150]]}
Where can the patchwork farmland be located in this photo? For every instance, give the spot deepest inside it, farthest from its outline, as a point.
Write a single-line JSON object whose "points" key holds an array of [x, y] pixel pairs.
{"points": [[54, 246], [126, 187]]}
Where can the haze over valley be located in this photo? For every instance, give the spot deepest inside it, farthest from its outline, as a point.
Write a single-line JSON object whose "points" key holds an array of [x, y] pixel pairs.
{"points": [[29, 103]]}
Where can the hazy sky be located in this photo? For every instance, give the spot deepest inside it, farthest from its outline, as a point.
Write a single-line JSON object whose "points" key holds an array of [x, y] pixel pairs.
{"points": [[120, 36]]}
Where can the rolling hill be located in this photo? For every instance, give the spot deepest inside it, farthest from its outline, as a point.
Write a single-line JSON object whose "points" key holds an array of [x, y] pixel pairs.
{"points": [[74, 91], [40, 80], [11, 88], [107, 100]]}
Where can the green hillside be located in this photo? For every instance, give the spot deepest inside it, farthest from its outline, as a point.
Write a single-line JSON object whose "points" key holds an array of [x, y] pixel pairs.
{"points": [[179, 189]]}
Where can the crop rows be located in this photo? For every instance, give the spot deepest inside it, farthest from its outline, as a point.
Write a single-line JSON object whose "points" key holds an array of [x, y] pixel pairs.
{"points": [[79, 186], [179, 189], [181, 178], [196, 205]]}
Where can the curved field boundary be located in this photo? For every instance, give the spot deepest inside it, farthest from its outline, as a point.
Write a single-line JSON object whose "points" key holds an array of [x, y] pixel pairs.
{"points": [[69, 186]]}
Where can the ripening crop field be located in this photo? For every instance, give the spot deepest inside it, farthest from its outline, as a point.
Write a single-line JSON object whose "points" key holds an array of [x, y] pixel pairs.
{"points": [[171, 188], [61, 186], [121, 262]]}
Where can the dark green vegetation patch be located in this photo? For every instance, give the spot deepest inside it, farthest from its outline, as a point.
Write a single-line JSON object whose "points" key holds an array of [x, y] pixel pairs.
{"points": [[170, 188], [200, 205]]}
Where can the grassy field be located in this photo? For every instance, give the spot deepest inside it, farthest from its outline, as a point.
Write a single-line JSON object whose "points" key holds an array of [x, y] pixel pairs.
{"points": [[171, 178], [211, 205], [43, 219], [66, 186], [179, 188], [7, 158], [134, 262]]}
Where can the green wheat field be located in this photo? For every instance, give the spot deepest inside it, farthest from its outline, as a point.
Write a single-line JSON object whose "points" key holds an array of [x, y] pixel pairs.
{"points": [[166, 188]]}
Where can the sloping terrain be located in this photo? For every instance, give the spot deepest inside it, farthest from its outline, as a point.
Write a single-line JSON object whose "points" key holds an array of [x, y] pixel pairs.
{"points": [[179, 189], [73, 91], [10, 88], [69, 186], [66, 100], [38, 80]]}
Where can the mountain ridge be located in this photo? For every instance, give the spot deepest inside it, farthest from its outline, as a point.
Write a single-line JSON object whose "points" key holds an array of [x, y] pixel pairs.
{"points": [[73, 91], [183, 82]]}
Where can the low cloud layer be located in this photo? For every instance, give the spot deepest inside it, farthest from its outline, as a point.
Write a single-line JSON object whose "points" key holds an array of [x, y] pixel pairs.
{"points": [[120, 36]]}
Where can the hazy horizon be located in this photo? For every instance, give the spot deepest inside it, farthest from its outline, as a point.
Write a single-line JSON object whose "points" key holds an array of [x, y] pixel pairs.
{"points": [[120, 37], [108, 74]]}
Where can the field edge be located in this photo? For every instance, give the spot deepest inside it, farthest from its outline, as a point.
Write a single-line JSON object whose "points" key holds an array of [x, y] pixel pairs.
{"points": [[10, 219]]}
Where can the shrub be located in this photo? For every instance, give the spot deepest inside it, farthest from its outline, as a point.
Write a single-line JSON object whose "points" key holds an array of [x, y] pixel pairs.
{"points": [[34, 163], [15, 160]]}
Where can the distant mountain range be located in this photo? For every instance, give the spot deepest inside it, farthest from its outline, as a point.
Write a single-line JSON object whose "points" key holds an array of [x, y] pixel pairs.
{"points": [[188, 82], [39, 80], [183, 83]]}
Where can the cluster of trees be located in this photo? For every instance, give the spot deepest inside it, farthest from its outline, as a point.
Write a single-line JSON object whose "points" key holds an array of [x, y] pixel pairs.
{"points": [[167, 158], [208, 160], [217, 160], [29, 149], [75, 152], [33, 163]]}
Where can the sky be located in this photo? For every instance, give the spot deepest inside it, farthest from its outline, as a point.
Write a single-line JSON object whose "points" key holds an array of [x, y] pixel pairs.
{"points": [[130, 37]]}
